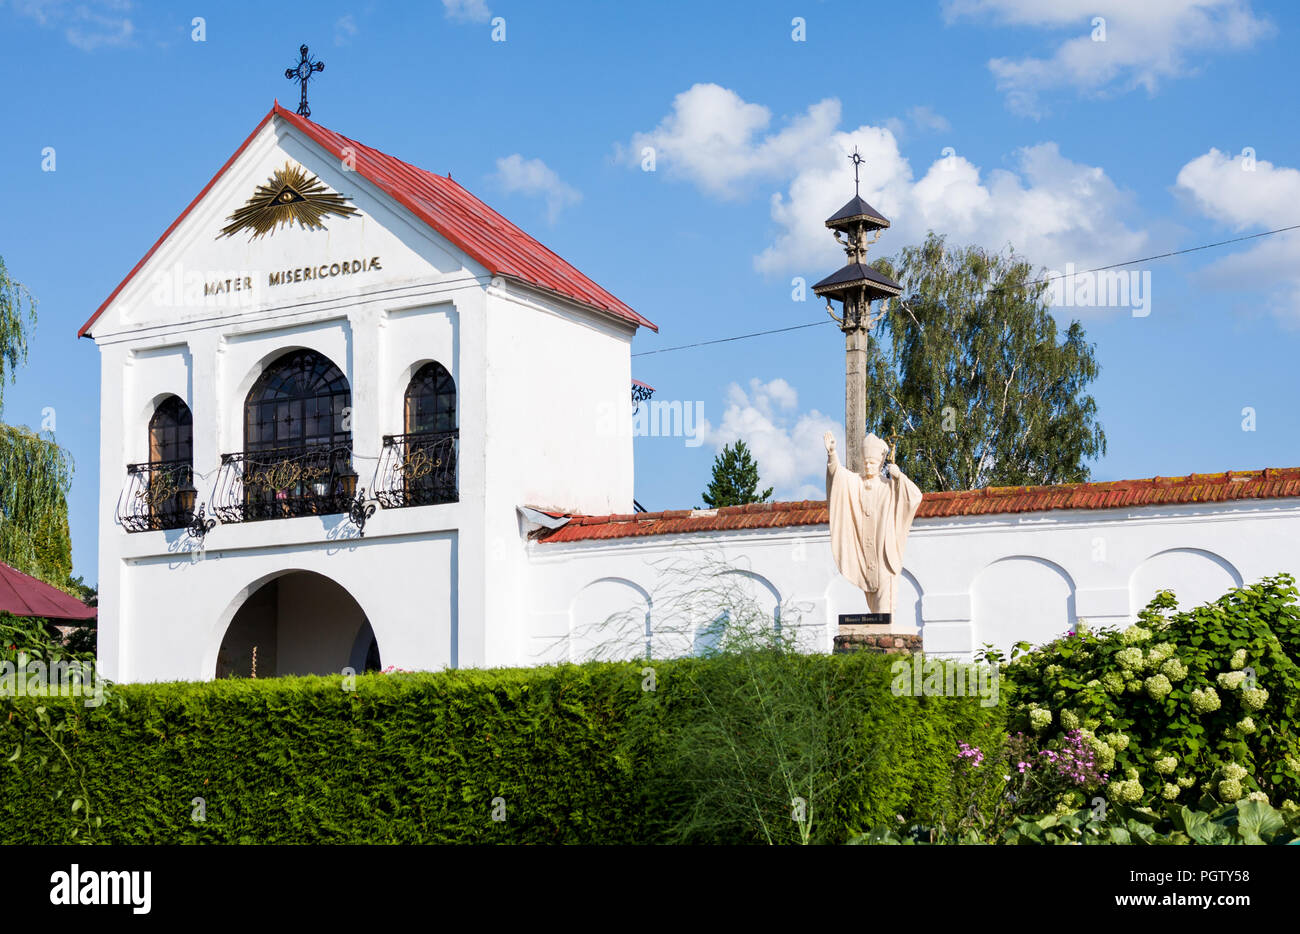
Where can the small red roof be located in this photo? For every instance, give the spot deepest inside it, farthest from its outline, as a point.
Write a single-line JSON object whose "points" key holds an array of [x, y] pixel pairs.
{"points": [[1272, 483], [23, 595], [483, 234]]}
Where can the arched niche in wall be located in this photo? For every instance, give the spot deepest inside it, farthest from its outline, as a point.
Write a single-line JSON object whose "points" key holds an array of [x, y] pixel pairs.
{"points": [[843, 597], [610, 619], [1194, 575], [741, 599], [1021, 598]]}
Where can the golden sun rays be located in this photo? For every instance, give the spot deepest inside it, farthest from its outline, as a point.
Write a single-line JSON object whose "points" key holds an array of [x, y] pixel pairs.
{"points": [[290, 194]]}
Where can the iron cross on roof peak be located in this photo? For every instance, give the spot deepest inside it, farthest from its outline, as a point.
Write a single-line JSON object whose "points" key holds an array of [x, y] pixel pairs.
{"points": [[302, 74], [856, 159]]}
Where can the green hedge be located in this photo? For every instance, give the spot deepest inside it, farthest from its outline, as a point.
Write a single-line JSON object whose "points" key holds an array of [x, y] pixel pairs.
{"points": [[579, 753]]}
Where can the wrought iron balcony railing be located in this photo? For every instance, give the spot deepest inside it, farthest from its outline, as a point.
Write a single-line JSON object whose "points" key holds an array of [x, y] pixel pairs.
{"points": [[417, 469], [157, 495], [284, 483]]}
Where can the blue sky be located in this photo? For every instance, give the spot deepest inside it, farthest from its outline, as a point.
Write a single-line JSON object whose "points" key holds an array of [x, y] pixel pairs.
{"points": [[994, 121]]}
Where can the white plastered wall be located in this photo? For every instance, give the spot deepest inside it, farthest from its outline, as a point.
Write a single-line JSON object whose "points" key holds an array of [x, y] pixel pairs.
{"points": [[968, 581]]}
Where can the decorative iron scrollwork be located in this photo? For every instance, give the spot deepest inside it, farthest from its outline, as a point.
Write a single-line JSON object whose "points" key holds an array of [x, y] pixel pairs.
{"points": [[417, 469], [202, 524], [640, 393], [359, 511], [157, 495], [285, 483]]}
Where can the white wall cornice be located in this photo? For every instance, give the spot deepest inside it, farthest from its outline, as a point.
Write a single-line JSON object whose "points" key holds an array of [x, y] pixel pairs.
{"points": [[390, 298], [1221, 511]]}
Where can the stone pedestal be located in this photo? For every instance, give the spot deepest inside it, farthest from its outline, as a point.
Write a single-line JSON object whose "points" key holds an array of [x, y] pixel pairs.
{"points": [[869, 632], [871, 639]]}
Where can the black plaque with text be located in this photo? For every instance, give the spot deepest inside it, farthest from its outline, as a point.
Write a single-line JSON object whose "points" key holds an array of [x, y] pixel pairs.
{"points": [[865, 619]]}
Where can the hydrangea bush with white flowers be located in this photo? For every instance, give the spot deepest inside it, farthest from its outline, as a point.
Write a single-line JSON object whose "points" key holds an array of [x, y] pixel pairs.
{"points": [[1196, 708]]}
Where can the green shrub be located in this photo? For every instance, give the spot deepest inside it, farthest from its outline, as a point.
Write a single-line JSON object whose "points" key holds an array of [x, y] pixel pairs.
{"points": [[756, 737], [1243, 823], [1196, 706], [567, 754]]}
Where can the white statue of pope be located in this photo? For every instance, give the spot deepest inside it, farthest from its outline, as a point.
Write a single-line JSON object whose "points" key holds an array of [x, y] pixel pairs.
{"points": [[870, 516]]}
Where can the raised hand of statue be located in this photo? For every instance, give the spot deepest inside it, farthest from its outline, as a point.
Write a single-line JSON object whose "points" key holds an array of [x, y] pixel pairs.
{"points": [[830, 443]]}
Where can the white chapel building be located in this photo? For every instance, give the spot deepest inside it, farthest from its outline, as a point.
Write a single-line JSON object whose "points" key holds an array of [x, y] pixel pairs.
{"points": [[322, 448]]}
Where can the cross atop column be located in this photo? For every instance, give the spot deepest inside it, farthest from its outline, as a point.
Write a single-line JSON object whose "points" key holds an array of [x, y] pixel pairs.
{"points": [[303, 74], [857, 161]]}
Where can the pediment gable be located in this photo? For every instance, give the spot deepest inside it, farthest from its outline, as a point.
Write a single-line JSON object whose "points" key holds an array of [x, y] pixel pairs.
{"points": [[282, 223], [301, 214]]}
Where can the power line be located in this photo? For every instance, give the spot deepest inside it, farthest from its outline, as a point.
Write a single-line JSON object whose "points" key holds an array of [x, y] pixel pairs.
{"points": [[738, 337], [1190, 249], [1130, 262]]}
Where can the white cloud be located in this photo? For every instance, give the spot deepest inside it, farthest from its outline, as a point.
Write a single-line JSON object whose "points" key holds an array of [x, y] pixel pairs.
{"points": [[1145, 42], [43, 11], [533, 177], [1240, 191], [1052, 210], [96, 32], [1250, 195], [920, 118], [786, 443], [925, 118], [714, 138], [345, 28], [88, 25], [467, 11]]}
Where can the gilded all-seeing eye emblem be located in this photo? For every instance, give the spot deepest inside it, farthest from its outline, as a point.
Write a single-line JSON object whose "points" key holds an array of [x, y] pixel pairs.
{"points": [[290, 195]]}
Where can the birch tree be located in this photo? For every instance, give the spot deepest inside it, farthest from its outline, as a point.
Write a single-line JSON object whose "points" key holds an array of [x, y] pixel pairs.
{"points": [[970, 370]]}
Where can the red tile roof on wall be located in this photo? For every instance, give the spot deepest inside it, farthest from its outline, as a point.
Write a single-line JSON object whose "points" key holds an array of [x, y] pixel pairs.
{"points": [[1272, 483], [483, 234]]}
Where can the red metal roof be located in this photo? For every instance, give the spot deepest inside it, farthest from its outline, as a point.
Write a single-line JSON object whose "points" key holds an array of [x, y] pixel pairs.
{"points": [[23, 595], [1272, 483], [483, 234]]}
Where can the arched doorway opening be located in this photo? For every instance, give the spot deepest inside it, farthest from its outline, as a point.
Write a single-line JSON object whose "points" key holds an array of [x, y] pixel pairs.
{"points": [[300, 623]]}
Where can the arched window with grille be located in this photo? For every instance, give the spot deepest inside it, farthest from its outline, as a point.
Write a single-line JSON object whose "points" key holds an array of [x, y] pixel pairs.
{"points": [[419, 467], [302, 400], [430, 400], [297, 457], [161, 491], [171, 432]]}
